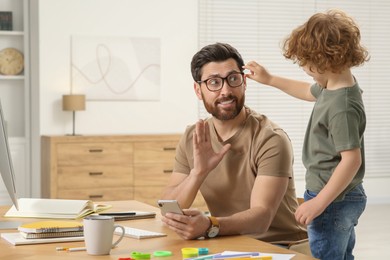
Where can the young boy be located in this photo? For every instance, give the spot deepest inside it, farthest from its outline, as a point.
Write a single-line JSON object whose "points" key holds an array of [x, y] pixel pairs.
{"points": [[327, 46]]}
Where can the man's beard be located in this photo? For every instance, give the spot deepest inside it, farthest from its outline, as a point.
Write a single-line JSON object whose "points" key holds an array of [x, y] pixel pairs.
{"points": [[223, 114]]}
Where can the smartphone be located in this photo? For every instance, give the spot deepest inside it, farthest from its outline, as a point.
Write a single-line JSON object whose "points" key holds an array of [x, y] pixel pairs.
{"points": [[169, 206]]}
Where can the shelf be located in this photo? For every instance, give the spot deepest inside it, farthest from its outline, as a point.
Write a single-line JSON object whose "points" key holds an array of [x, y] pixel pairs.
{"points": [[11, 33], [17, 77]]}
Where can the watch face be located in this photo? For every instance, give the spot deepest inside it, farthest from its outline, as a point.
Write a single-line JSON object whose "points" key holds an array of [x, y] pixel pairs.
{"points": [[213, 231], [11, 61]]}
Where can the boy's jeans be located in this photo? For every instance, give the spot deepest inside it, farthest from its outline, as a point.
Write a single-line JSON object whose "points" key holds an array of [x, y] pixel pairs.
{"points": [[332, 234]]}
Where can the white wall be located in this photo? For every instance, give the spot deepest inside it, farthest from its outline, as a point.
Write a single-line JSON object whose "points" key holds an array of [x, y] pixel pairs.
{"points": [[173, 21]]}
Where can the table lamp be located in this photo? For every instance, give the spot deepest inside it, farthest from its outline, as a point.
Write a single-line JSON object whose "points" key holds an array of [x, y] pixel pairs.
{"points": [[73, 103]]}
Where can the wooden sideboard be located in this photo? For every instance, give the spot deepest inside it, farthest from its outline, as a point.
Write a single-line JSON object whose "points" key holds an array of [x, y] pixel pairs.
{"points": [[106, 168]]}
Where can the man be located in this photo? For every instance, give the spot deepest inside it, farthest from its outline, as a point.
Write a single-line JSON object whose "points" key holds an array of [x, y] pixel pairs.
{"points": [[239, 160]]}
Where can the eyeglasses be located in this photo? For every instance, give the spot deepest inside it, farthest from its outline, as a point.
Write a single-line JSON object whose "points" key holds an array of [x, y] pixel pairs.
{"points": [[214, 84]]}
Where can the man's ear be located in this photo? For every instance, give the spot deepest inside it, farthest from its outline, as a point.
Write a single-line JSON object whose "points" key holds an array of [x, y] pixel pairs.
{"points": [[197, 90]]}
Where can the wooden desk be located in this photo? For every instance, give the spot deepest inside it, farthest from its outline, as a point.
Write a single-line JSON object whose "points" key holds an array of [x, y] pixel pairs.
{"points": [[172, 242]]}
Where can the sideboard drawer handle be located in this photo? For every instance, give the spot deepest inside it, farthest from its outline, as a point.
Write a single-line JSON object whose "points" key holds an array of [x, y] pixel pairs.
{"points": [[95, 173], [167, 171], [169, 148], [95, 196], [95, 150]]}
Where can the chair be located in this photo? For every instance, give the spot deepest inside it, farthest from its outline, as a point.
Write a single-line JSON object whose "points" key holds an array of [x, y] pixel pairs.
{"points": [[300, 246]]}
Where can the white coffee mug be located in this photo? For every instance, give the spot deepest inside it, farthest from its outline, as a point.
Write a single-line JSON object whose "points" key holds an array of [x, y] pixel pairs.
{"points": [[98, 234]]}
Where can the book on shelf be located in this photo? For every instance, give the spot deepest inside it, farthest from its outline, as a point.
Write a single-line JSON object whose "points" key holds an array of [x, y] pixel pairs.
{"points": [[51, 226], [16, 239], [55, 208], [5, 21]]}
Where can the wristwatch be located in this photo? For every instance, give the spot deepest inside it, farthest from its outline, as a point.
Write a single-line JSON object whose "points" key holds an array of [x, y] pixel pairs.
{"points": [[214, 228]]}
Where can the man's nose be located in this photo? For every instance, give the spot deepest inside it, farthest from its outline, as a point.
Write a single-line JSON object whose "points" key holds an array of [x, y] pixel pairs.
{"points": [[226, 89]]}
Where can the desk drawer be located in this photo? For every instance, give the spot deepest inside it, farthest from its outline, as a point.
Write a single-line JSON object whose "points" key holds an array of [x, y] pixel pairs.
{"points": [[154, 152], [152, 174], [148, 195], [94, 153], [93, 176], [98, 194]]}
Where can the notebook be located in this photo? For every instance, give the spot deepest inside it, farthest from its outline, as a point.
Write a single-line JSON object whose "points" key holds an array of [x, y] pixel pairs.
{"points": [[17, 239], [118, 216], [54, 208], [51, 226], [52, 234]]}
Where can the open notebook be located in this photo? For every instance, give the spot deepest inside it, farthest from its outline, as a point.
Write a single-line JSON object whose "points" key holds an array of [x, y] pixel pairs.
{"points": [[54, 208]]}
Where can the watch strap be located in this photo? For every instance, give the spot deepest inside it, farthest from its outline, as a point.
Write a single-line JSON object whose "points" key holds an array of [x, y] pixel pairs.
{"points": [[214, 221]]}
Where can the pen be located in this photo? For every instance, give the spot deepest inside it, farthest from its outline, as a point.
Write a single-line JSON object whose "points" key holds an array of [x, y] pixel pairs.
{"points": [[251, 257], [62, 248], [207, 257], [127, 213], [204, 257], [74, 249], [71, 249], [236, 255]]}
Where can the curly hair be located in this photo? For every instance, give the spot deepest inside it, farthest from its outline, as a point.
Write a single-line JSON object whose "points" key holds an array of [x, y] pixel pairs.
{"points": [[328, 42]]}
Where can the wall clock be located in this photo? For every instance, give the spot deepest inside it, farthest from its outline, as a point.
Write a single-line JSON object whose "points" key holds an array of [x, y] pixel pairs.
{"points": [[11, 61]]}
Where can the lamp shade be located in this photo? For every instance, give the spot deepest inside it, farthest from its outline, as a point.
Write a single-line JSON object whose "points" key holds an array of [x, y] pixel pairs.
{"points": [[73, 102]]}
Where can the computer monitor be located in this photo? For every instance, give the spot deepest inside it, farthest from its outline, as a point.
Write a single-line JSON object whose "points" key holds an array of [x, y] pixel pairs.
{"points": [[7, 170]]}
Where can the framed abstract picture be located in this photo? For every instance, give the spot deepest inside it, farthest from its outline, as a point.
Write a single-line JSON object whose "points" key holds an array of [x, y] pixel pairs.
{"points": [[115, 68]]}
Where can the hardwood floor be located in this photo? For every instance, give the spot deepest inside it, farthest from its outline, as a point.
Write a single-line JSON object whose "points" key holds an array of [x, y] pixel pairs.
{"points": [[373, 233]]}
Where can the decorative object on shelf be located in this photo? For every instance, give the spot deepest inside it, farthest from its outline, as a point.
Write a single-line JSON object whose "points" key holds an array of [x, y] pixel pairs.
{"points": [[6, 21], [11, 61], [73, 103]]}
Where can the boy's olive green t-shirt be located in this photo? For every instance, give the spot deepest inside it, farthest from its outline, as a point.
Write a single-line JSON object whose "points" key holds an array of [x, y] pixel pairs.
{"points": [[337, 124]]}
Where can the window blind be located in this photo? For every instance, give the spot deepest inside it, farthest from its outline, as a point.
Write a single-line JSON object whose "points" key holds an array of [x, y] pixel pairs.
{"points": [[257, 29]]}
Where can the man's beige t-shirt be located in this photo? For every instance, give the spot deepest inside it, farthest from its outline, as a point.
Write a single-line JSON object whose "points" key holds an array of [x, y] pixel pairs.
{"points": [[259, 147]]}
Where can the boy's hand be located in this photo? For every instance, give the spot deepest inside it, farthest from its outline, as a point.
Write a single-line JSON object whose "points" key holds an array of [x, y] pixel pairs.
{"points": [[257, 72], [308, 211]]}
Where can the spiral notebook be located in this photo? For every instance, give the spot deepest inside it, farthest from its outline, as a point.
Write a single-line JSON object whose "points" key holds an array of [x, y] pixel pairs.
{"points": [[51, 226], [51, 229], [52, 234]]}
